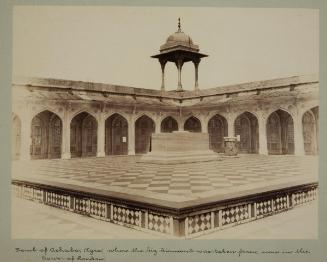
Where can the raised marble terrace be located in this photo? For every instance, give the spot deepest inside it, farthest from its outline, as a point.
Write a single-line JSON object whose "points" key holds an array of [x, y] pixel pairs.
{"points": [[182, 200]]}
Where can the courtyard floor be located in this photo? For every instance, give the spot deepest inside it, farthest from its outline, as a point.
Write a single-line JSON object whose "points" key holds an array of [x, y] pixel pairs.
{"points": [[193, 183], [182, 185]]}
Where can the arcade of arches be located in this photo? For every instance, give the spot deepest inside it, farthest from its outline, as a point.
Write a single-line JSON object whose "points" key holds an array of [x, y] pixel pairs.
{"points": [[46, 134]]}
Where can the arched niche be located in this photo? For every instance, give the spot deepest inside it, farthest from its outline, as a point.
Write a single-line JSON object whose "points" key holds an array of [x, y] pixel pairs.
{"points": [[168, 125], [192, 124], [280, 133], [310, 123], [16, 137], [217, 129], [116, 135], [144, 127], [46, 135], [83, 135], [247, 128]]}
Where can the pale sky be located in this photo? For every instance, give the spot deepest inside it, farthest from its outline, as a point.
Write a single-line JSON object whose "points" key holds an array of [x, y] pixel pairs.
{"points": [[114, 44]]}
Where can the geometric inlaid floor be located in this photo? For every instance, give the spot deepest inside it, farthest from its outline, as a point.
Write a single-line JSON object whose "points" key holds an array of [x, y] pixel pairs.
{"points": [[181, 179]]}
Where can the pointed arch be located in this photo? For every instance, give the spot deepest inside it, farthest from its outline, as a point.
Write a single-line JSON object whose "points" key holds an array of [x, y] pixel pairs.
{"points": [[48, 108], [310, 124], [141, 115], [83, 135], [280, 133], [83, 110], [193, 124], [168, 125], [247, 128], [118, 112], [16, 137], [217, 129], [144, 127], [116, 135], [46, 134]]}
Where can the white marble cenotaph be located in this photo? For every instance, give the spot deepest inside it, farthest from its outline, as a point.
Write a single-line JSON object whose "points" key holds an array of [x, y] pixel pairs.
{"points": [[179, 147]]}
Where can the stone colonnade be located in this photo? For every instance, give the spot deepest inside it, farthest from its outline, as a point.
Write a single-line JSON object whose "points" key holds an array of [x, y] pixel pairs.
{"points": [[65, 133]]}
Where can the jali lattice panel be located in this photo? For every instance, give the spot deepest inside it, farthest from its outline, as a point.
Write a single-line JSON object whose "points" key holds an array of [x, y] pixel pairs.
{"points": [[280, 203], [299, 198], [159, 223], [38, 194], [59, 200], [126, 215], [264, 208], [82, 205], [27, 192], [235, 214], [17, 189], [198, 223], [98, 209]]}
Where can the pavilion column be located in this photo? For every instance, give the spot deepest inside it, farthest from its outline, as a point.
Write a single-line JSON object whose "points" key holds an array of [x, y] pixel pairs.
{"points": [[263, 147], [298, 136], [26, 138], [101, 136], [65, 147], [196, 67], [163, 64], [179, 64], [131, 137]]}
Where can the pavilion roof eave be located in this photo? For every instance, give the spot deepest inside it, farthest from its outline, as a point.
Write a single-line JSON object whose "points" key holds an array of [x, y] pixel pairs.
{"points": [[173, 52]]}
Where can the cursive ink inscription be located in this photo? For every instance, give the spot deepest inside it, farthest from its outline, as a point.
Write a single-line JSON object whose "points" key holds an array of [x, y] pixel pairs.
{"points": [[72, 254]]}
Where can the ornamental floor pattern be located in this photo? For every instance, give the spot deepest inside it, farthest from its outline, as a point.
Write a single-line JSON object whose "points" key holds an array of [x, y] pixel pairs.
{"points": [[177, 180]]}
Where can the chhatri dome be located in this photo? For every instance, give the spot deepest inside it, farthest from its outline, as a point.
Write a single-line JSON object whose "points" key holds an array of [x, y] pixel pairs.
{"points": [[179, 49], [179, 39]]}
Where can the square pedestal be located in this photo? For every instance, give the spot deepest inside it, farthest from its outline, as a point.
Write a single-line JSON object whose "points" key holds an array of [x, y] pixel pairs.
{"points": [[230, 146]]}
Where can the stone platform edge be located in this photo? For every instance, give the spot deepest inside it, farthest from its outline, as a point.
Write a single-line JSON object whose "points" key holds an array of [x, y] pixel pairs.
{"points": [[186, 223]]}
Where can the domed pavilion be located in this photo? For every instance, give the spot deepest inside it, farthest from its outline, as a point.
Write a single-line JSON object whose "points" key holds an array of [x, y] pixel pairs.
{"points": [[179, 49]]}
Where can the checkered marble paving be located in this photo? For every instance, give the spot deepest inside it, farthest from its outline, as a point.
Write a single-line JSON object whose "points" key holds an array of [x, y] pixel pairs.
{"points": [[181, 179]]}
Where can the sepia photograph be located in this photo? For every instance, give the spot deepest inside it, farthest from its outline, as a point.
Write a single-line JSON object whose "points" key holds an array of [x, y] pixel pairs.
{"points": [[164, 123]]}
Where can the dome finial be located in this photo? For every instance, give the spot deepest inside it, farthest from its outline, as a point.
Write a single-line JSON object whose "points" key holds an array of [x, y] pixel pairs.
{"points": [[179, 25]]}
